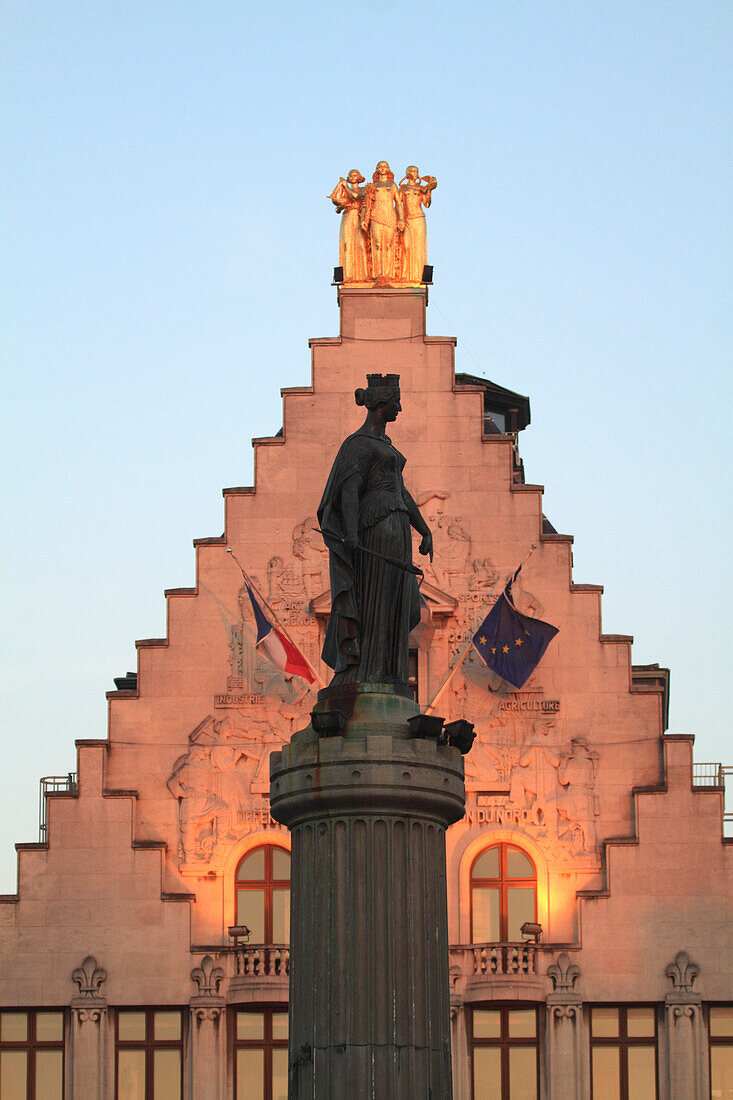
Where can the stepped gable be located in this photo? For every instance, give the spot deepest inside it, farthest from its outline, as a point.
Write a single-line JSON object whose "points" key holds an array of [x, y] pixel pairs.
{"points": [[96, 887], [553, 765], [667, 883]]}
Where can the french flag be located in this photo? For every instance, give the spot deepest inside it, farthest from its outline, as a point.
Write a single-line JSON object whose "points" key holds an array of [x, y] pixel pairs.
{"points": [[281, 651]]}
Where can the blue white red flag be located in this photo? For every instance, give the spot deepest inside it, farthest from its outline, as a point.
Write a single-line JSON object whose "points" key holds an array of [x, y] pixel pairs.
{"points": [[273, 643], [510, 643]]}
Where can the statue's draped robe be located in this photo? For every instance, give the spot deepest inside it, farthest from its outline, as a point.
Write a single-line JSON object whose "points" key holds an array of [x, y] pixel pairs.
{"points": [[352, 241], [415, 236], [374, 605]]}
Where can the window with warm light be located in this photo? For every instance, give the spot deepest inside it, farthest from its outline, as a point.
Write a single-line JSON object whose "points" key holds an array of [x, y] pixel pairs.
{"points": [[623, 1047], [720, 1021], [32, 1055], [504, 1053], [262, 886], [503, 894], [149, 1054], [261, 1054]]}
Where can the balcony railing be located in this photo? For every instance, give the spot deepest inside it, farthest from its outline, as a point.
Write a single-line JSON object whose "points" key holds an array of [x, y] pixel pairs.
{"points": [[53, 784], [498, 959], [269, 960], [715, 775]]}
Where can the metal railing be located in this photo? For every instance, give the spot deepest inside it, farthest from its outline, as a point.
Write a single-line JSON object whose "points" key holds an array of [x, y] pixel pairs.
{"points": [[53, 784], [711, 774], [708, 775]]}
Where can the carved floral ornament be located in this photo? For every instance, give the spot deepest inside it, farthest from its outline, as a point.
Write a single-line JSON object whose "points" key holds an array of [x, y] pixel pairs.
{"points": [[563, 974], [682, 973], [89, 978], [207, 977]]}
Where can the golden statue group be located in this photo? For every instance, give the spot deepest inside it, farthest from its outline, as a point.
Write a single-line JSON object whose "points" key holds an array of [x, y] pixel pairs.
{"points": [[382, 237]]}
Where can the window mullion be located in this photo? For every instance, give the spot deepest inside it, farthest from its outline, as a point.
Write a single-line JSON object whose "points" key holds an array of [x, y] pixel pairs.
{"points": [[504, 1031]]}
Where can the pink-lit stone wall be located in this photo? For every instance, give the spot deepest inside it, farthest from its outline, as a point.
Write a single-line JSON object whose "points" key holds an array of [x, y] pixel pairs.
{"points": [[139, 868]]}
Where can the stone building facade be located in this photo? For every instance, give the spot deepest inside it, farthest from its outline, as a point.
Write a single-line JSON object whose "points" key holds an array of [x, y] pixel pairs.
{"points": [[145, 954]]}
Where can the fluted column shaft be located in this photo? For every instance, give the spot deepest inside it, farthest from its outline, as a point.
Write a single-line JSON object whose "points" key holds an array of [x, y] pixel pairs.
{"points": [[369, 945]]}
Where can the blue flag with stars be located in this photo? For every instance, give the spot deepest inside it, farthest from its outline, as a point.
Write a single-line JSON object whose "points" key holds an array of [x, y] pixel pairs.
{"points": [[509, 643]]}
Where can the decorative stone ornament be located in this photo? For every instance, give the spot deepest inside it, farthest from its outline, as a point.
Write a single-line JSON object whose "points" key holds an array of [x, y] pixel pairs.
{"points": [[207, 977], [89, 978], [563, 974], [682, 973]]}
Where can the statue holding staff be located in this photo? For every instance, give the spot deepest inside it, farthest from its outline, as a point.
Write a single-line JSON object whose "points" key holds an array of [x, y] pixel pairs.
{"points": [[365, 517], [348, 198]]}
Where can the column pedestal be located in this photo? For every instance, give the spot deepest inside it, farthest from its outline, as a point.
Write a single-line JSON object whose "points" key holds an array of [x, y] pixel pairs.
{"points": [[369, 991]]}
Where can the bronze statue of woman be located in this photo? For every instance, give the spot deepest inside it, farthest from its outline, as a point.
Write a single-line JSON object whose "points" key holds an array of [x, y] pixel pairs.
{"points": [[365, 516]]}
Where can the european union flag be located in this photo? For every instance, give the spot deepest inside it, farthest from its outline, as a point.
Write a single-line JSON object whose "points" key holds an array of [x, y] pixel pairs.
{"points": [[509, 643]]}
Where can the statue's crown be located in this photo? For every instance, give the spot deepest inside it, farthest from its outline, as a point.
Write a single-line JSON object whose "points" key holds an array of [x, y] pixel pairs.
{"points": [[383, 381]]}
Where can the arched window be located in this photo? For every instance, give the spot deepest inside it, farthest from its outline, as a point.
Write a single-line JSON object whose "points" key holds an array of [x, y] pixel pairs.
{"points": [[262, 887], [503, 894]]}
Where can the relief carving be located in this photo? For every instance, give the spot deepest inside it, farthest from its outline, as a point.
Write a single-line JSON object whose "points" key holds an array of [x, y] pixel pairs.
{"points": [[218, 781], [541, 788]]}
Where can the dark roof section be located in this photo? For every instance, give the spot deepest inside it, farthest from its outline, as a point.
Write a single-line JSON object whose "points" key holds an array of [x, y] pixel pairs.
{"points": [[497, 397]]}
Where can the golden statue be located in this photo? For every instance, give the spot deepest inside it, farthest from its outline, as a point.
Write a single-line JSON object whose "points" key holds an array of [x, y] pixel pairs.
{"points": [[382, 238], [416, 193], [348, 198], [383, 219]]}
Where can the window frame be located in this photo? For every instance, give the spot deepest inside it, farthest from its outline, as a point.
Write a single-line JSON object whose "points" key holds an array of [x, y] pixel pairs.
{"points": [[149, 1044], [266, 1044], [267, 885], [30, 1045], [716, 1040], [504, 1042], [623, 1041], [504, 884]]}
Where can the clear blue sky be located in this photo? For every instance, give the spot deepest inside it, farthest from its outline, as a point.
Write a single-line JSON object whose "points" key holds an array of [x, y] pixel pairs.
{"points": [[167, 167]]}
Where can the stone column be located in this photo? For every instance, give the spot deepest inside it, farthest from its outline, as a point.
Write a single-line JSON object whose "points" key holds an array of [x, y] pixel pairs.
{"points": [[460, 1052], [207, 1048], [207, 1076], [369, 990], [685, 1034], [86, 1071], [88, 1047], [565, 1044]]}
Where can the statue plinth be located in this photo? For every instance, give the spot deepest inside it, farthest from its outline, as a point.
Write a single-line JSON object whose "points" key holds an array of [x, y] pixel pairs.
{"points": [[369, 991]]}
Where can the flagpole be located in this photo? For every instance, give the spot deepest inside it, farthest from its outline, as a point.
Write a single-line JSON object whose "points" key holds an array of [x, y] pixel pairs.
{"points": [[453, 669], [451, 673], [248, 580]]}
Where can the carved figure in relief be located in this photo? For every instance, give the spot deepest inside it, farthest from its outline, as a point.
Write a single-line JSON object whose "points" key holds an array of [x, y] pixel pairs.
{"points": [[456, 557], [202, 813], [416, 194], [226, 764], [576, 800], [383, 219], [484, 575], [311, 553], [365, 516], [533, 783], [348, 198]]}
